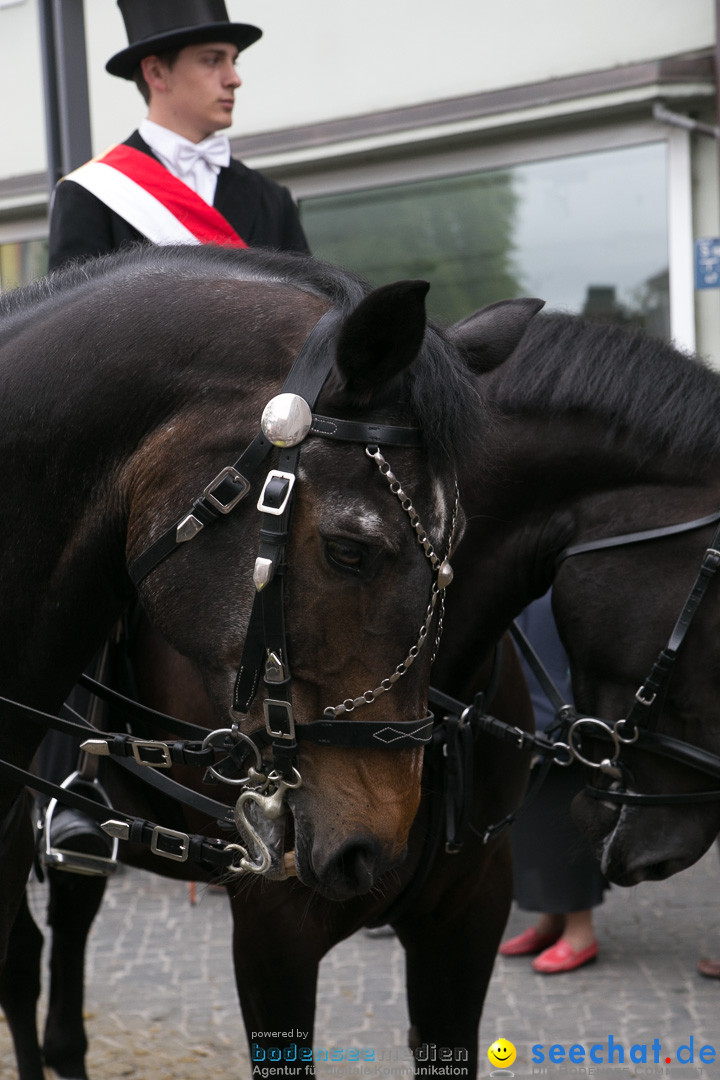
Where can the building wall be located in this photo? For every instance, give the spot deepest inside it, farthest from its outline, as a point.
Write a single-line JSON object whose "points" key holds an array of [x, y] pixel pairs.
{"points": [[22, 118], [348, 95], [319, 60]]}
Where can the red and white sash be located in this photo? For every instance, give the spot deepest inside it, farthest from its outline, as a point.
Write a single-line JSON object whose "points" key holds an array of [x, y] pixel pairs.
{"points": [[152, 200]]}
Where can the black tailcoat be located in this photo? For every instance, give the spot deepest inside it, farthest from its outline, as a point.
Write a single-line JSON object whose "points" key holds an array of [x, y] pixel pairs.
{"points": [[261, 211]]}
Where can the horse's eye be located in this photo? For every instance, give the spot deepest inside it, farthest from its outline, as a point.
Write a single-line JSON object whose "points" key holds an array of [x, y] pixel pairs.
{"points": [[345, 555]]}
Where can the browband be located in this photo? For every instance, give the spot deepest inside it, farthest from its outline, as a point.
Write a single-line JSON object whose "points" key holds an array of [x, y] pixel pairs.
{"points": [[357, 431]]}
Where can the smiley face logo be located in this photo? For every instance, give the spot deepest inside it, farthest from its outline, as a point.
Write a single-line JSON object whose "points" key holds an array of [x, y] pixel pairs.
{"points": [[502, 1053]]}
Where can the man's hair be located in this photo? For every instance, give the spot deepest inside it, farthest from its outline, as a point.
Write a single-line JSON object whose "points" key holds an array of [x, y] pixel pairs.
{"points": [[169, 57]]}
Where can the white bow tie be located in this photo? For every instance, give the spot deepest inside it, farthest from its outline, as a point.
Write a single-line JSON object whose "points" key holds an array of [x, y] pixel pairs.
{"points": [[215, 152]]}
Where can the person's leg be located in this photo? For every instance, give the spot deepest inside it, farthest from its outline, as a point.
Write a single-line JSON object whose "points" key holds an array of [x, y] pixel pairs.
{"points": [[576, 946], [579, 931], [546, 931]]}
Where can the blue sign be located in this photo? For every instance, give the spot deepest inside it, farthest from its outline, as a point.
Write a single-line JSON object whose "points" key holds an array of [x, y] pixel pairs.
{"points": [[707, 262]]}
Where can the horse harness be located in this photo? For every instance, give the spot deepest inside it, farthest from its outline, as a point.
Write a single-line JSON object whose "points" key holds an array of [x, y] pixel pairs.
{"points": [[639, 727], [287, 421], [461, 725]]}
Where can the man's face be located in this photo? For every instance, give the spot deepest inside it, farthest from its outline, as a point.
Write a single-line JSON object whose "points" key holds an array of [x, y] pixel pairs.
{"points": [[195, 97]]}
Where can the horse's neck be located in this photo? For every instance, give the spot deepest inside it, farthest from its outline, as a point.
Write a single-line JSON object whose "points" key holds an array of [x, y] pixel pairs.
{"points": [[549, 485], [76, 411], [62, 547]]}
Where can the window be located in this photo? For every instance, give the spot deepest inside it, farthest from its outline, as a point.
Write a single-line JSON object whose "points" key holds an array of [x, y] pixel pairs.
{"points": [[22, 262], [586, 232]]}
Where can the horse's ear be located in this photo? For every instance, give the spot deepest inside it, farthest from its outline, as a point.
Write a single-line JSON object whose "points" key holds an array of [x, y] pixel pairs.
{"points": [[490, 335], [381, 337]]}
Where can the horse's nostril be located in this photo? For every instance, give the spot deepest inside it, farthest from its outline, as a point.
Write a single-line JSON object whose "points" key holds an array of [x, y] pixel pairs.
{"points": [[356, 866], [352, 870]]}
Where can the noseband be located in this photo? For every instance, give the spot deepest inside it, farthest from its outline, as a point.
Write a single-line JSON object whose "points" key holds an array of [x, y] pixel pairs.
{"points": [[639, 728]]}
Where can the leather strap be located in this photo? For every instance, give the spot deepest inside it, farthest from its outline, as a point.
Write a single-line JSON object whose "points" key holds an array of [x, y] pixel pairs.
{"points": [[121, 746], [636, 798], [202, 510], [362, 734], [357, 734], [647, 705], [204, 850], [361, 432], [635, 537], [143, 713], [538, 669]]}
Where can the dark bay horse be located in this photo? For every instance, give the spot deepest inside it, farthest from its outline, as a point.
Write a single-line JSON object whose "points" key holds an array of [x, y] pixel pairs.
{"points": [[126, 387], [600, 431]]}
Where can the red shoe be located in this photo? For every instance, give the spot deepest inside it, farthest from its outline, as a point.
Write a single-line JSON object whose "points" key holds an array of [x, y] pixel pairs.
{"points": [[527, 943], [562, 957]]}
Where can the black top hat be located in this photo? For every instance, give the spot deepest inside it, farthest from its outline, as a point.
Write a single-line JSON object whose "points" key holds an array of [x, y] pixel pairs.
{"points": [[158, 25]]}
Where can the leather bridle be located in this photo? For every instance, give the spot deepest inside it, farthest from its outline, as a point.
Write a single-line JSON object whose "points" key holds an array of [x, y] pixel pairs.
{"points": [[287, 421], [639, 727]]}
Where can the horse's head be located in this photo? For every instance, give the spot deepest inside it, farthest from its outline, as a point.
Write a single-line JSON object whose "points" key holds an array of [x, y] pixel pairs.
{"points": [[316, 614], [618, 609], [602, 431]]}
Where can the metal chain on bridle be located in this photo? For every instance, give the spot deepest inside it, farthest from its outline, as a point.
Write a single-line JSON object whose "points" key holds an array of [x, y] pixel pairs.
{"points": [[444, 576]]}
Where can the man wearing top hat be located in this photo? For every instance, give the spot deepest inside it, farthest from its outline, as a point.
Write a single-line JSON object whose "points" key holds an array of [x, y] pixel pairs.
{"points": [[173, 180]]}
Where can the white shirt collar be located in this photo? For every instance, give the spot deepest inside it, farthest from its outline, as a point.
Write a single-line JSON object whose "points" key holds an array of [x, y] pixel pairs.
{"points": [[165, 144]]}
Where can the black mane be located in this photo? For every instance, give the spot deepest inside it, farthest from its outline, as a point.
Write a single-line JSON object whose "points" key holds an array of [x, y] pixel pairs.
{"points": [[632, 382], [443, 396]]}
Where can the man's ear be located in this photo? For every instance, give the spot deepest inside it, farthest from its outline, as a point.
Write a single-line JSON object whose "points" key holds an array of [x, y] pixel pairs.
{"points": [[154, 71]]}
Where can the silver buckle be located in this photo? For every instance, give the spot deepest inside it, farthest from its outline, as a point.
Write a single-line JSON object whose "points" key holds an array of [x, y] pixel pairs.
{"points": [[170, 834], [231, 472], [151, 744], [290, 733], [276, 474], [641, 699]]}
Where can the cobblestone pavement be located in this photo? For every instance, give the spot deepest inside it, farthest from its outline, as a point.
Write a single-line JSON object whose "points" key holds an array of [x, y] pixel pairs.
{"points": [[158, 1010]]}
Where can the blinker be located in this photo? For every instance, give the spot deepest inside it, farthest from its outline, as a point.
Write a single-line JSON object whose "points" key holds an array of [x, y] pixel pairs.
{"points": [[286, 420]]}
